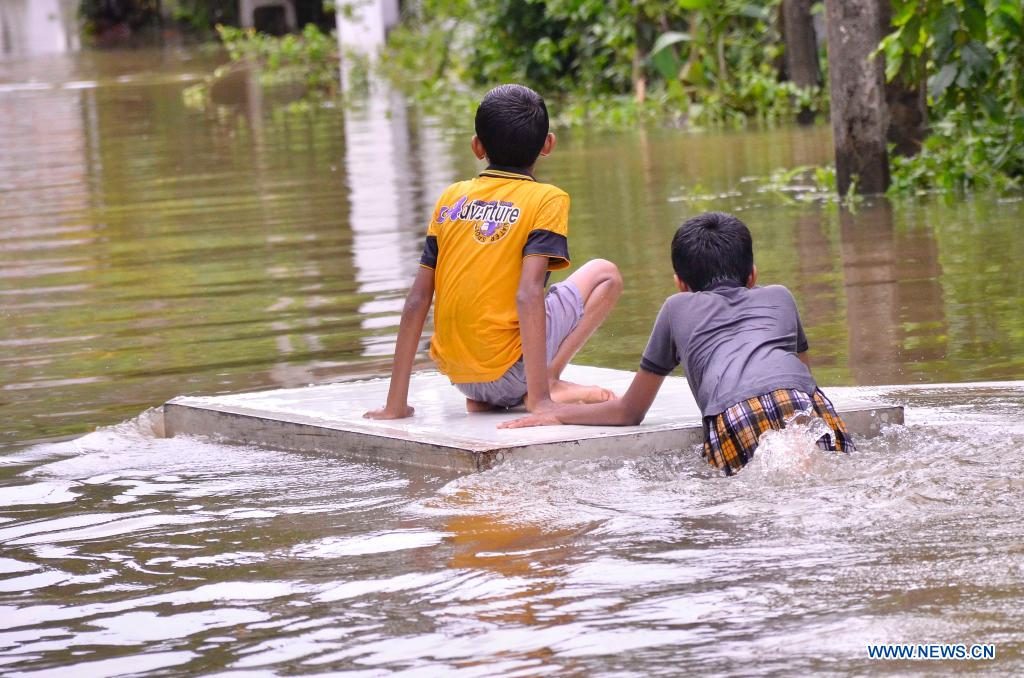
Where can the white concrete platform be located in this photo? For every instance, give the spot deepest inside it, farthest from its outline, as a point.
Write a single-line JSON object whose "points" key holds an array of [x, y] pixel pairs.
{"points": [[442, 435]]}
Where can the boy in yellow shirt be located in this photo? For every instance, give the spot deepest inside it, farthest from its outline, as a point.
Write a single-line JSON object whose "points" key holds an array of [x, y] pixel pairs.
{"points": [[490, 246]]}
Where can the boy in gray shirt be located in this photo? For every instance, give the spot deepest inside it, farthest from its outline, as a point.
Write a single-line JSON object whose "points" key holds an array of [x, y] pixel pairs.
{"points": [[743, 349]]}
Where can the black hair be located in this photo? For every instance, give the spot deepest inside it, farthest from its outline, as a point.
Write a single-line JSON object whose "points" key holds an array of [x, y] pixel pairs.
{"points": [[712, 248], [512, 124]]}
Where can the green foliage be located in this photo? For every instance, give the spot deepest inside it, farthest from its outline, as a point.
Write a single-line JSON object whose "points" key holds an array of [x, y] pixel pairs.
{"points": [[727, 62], [198, 15], [100, 14], [964, 44], [972, 54], [309, 59], [808, 183], [961, 155], [203, 15], [618, 62], [548, 43]]}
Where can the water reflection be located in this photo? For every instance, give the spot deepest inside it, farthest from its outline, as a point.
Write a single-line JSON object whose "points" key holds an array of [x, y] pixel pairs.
{"points": [[391, 171], [179, 239], [891, 277]]}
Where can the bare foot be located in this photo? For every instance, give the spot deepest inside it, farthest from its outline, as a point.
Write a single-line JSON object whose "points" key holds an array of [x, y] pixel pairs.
{"points": [[568, 392], [477, 406]]}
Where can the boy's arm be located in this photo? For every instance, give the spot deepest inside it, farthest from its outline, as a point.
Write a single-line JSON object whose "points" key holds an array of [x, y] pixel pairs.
{"points": [[414, 315], [533, 332], [629, 410], [804, 358]]}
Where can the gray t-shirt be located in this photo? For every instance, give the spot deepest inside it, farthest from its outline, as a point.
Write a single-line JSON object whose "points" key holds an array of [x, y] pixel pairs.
{"points": [[734, 343]]}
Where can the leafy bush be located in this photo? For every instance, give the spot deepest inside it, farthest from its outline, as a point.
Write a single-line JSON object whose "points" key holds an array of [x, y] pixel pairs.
{"points": [[972, 54], [618, 62], [309, 59], [100, 14], [963, 154], [202, 15]]}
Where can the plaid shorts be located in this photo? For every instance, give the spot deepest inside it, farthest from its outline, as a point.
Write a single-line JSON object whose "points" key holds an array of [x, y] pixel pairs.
{"points": [[730, 438]]}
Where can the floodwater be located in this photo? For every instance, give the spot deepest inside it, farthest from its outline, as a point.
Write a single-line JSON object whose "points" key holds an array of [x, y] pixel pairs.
{"points": [[149, 250]]}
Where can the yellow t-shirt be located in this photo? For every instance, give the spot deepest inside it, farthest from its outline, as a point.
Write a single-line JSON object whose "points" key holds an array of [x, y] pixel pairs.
{"points": [[480, 233]]}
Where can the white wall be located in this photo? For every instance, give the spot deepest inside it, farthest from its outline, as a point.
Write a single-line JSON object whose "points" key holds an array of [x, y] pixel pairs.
{"points": [[367, 27], [30, 27]]}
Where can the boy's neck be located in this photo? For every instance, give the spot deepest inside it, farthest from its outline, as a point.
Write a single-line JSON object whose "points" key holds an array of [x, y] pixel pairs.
{"points": [[724, 284], [508, 169]]}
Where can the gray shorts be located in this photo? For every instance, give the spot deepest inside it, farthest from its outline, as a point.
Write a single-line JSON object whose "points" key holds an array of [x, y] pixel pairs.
{"points": [[563, 308]]}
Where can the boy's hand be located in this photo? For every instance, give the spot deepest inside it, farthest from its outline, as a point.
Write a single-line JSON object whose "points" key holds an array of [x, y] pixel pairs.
{"points": [[390, 413], [629, 410], [541, 419]]}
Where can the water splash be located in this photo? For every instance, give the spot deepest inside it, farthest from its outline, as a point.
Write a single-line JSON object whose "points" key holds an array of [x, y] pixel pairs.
{"points": [[792, 453]]}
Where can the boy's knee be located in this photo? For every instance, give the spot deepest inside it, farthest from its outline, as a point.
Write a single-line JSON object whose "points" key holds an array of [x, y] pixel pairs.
{"points": [[608, 273], [595, 274]]}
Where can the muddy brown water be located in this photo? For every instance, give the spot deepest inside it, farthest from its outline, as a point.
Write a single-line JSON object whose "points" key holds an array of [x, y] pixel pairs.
{"points": [[149, 250]]}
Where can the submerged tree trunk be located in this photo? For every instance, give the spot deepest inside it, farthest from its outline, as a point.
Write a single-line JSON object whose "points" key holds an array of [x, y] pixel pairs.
{"points": [[857, 90], [801, 49], [638, 77], [908, 115], [905, 97]]}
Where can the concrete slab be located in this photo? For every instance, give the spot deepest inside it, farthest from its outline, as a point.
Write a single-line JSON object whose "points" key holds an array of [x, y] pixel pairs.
{"points": [[442, 435]]}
